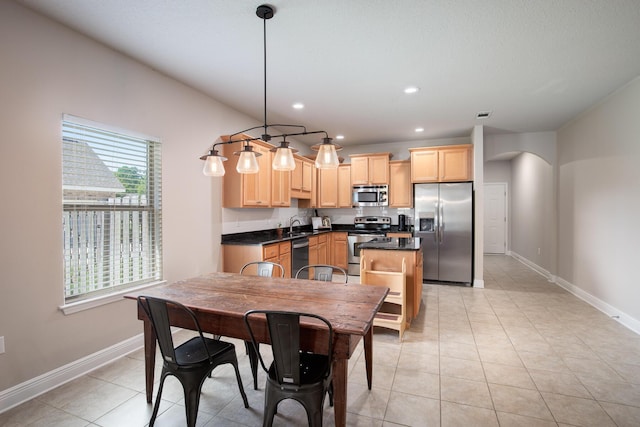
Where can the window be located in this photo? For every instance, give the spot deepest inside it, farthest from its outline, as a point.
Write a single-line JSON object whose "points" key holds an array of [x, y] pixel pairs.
{"points": [[111, 223]]}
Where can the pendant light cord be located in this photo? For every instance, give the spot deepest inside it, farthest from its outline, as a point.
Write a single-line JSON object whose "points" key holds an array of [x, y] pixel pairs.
{"points": [[264, 45]]}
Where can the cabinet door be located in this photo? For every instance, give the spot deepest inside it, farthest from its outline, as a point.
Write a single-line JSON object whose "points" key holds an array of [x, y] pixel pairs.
{"points": [[339, 255], [455, 164], [344, 186], [379, 170], [297, 177], [313, 250], [285, 261], [400, 188], [257, 186], [359, 170], [280, 188], [424, 166], [307, 181], [328, 188]]}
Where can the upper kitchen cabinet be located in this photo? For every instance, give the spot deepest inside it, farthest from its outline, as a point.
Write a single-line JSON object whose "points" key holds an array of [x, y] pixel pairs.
{"points": [[334, 187], [449, 163], [264, 189], [280, 188], [344, 186], [370, 169], [302, 178], [400, 187]]}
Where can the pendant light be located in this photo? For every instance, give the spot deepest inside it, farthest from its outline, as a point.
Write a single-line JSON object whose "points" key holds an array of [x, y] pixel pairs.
{"points": [[247, 161], [283, 158], [213, 164], [327, 157]]}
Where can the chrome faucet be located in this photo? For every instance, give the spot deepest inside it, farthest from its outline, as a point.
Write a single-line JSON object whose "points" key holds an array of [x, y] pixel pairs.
{"points": [[291, 222]]}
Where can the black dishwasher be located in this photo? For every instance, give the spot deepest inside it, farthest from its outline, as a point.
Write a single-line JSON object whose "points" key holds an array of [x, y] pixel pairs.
{"points": [[299, 256]]}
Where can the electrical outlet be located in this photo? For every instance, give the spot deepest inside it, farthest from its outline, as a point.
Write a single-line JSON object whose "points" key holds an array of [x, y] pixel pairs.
{"points": [[1, 345]]}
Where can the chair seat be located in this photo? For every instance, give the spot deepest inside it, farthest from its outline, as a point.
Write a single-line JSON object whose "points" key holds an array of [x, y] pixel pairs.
{"points": [[192, 351]]}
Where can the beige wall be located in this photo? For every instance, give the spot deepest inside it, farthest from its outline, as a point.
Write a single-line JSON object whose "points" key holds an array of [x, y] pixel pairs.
{"points": [[599, 201], [48, 70]]}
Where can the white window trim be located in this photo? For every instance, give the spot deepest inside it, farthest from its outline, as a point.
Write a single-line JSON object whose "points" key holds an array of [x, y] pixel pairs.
{"points": [[87, 304]]}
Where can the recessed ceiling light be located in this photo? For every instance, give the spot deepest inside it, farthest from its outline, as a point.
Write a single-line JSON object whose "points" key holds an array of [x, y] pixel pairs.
{"points": [[419, 129], [298, 105], [483, 115], [411, 89], [339, 136]]}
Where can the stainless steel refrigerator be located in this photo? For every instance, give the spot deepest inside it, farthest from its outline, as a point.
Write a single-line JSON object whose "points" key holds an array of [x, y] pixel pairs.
{"points": [[444, 222]]}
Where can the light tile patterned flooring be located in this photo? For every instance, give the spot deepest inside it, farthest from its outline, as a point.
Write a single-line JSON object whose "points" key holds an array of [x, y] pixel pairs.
{"points": [[521, 352]]}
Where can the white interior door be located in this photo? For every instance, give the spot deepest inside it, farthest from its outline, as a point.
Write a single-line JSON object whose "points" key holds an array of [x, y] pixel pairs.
{"points": [[495, 218]]}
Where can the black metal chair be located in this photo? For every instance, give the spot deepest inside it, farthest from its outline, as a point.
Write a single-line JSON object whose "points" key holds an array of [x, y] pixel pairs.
{"points": [[323, 272], [190, 362], [294, 373], [262, 268]]}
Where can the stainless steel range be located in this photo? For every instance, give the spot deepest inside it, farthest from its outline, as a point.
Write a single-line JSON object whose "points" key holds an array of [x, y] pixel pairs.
{"points": [[365, 228]]}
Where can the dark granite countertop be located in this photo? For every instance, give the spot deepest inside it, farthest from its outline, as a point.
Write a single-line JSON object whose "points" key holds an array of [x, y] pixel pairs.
{"points": [[265, 237], [393, 244]]}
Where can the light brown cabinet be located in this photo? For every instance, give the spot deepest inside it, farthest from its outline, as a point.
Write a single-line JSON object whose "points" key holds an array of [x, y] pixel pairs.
{"points": [[318, 249], [302, 178], [334, 187], [267, 188], [400, 234], [449, 163], [279, 253], [235, 256], [344, 186], [370, 169], [339, 250], [400, 186], [280, 188]]}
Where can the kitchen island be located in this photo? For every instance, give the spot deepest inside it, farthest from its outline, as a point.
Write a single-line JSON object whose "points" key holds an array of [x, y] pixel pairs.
{"points": [[386, 254]]}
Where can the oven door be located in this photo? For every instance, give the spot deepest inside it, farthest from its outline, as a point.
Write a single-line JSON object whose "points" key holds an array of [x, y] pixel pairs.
{"points": [[354, 250]]}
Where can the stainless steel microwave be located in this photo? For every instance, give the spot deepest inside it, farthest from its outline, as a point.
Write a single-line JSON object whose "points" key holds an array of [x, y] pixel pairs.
{"points": [[370, 195]]}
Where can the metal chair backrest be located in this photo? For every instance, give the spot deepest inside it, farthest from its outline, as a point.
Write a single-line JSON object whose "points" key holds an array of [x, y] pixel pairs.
{"points": [[157, 309], [262, 268], [322, 272], [284, 335]]}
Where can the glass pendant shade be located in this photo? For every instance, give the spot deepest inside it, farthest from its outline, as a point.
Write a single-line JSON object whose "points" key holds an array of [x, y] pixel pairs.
{"points": [[283, 160], [247, 163], [213, 166], [327, 157]]}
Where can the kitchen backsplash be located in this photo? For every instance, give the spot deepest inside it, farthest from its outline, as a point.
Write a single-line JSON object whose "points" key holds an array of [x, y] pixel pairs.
{"points": [[245, 220]]}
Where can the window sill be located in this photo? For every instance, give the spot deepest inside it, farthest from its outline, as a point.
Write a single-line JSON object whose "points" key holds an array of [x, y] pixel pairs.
{"points": [[90, 303]]}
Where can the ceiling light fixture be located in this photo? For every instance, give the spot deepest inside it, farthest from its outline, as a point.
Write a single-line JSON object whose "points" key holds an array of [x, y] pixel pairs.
{"points": [[283, 159], [419, 129], [411, 89], [298, 106]]}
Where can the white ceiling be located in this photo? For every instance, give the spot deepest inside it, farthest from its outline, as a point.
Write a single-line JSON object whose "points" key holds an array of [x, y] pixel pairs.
{"points": [[534, 64]]}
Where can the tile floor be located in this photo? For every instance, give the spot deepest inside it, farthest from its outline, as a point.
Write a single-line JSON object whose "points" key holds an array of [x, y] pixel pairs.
{"points": [[521, 352]]}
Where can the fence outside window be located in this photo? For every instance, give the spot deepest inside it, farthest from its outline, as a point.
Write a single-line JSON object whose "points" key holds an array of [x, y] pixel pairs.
{"points": [[111, 221]]}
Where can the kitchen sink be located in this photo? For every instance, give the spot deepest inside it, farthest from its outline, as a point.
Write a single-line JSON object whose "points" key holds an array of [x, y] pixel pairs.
{"points": [[298, 234]]}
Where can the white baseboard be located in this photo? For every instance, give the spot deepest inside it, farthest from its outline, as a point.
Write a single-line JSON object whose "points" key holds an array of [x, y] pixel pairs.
{"points": [[621, 317], [609, 310], [478, 283], [34, 387], [535, 267]]}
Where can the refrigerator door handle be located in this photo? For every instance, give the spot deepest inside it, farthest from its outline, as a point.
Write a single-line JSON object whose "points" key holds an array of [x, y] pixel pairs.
{"points": [[436, 227], [441, 225]]}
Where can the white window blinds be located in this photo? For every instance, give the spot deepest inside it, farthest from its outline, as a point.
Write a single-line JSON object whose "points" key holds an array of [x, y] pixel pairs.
{"points": [[112, 222]]}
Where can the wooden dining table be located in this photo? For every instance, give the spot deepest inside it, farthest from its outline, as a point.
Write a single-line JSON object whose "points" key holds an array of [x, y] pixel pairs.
{"points": [[220, 300]]}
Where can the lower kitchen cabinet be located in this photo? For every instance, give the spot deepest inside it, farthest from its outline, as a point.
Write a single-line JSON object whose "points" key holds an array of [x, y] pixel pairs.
{"points": [[339, 250], [235, 256], [318, 246]]}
